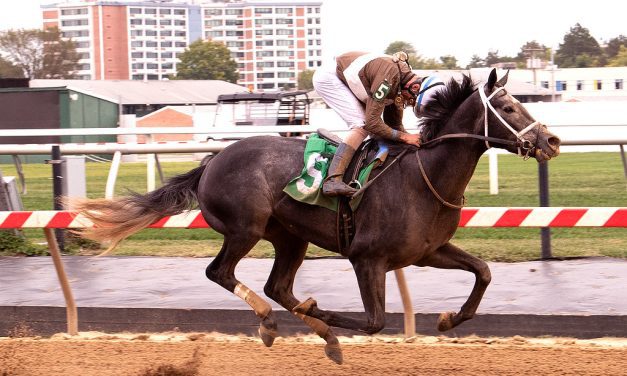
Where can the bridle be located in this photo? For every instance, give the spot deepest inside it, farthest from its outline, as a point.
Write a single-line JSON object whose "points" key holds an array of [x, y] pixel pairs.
{"points": [[523, 145]]}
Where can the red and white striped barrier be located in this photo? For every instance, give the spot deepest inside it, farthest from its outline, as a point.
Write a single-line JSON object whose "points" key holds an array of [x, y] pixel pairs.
{"points": [[470, 217]]}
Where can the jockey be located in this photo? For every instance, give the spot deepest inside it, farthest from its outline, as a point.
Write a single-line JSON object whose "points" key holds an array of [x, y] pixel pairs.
{"points": [[369, 92]]}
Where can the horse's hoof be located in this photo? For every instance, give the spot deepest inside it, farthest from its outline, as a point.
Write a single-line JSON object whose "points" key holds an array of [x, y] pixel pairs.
{"points": [[267, 335], [306, 307], [445, 321], [334, 352]]}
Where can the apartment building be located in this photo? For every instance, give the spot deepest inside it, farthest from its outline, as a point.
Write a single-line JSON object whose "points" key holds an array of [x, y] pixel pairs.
{"points": [[120, 40], [271, 41], [126, 40]]}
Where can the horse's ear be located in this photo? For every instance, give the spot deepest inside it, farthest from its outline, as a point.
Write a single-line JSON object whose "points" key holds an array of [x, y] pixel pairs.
{"points": [[503, 79], [491, 79]]}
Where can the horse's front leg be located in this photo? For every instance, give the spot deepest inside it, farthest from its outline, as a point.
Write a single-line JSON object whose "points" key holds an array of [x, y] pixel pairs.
{"points": [[371, 279], [451, 257]]}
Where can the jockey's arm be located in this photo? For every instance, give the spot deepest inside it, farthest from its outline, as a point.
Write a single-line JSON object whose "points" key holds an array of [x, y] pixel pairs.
{"points": [[395, 131]]}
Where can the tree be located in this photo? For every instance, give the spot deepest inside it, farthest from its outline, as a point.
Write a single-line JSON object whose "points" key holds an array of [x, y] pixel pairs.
{"points": [[613, 46], [476, 62], [449, 62], [398, 46], [620, 60], [530, 50], [579, 49], [305, 80], [39, 53], [8, 70], [207, 60]]}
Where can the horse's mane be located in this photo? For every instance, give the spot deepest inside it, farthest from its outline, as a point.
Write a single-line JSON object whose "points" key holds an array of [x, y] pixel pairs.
{"points": [[439, 110]]}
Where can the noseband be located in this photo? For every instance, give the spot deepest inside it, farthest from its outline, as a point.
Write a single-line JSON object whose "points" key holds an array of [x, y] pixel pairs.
{"points": [[523, 145]]}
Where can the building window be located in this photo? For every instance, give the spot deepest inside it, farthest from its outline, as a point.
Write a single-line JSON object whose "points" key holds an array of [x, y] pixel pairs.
{"points": [[265, 64], [284, 42], [234, 33], [265, 75], [544, 84], [81, 44], [151, 43], [264, 53], [213, 34], [263, 10], [285, 32], [618, 84], [263, 21], [150, 11], [286, 75], [233, 12], [234, 44], [213, 12], [137, 33], [211, 23], [165, 22], [579, 85], [137, 77], [75, 33], [152, 55], [165, 11], [150, 33], [179, 22], [598, 84], [136, 21], [137, 43], [284, 21], [180, 44], [135, 10], [137, 55], [166, 55], [166, 44], [152, 66], [167, 66], [180, 33], [285, 53], [152, 76], [165, 33], [137, 65], [264, 43], [73, 12], [560, 86], [150, 22], [74, 22], [265, 86], [236, 55], [264, 32], [83, 55], [285, 64], [283, 10], [179, 12], [234, 22]]}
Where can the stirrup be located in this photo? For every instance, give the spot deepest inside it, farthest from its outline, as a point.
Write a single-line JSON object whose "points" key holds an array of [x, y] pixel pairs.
{"points": [[333, 187]]}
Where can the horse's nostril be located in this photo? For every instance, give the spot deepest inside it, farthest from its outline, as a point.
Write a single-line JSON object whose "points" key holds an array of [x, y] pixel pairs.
{"points": [[554, 141]]}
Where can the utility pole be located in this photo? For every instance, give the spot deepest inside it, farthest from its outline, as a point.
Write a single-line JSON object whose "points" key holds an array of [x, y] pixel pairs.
{"points": [[532, 63]]}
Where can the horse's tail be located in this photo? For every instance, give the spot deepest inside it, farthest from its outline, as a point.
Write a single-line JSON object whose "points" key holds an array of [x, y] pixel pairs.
{"points": [[114, 220]]}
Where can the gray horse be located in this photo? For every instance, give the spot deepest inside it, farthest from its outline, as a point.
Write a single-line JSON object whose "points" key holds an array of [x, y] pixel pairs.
{"points": [[406, 217]]}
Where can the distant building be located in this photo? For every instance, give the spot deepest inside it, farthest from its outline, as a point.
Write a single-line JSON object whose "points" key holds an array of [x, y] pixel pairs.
{"points": [[142, 40]]}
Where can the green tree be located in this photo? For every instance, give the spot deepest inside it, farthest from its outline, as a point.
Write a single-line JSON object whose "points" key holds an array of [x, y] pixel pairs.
{"points": [[579, 49], [8, 70], [532, 49], [398, 46], [613, 46], [305, 80], [476, 62], [449, 62], [39, 53], [207, 60], [620, 60]]}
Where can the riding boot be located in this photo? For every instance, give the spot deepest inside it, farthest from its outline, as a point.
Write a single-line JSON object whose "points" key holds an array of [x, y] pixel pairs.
{"points": [[333, 184]]}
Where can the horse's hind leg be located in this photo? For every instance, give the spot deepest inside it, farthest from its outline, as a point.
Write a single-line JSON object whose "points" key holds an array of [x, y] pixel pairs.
{"points": [[451, 257], [289, 255], [222, 271]]}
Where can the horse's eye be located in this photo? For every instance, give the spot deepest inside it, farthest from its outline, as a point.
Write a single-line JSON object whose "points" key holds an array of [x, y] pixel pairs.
{"points": [[508, 109]]}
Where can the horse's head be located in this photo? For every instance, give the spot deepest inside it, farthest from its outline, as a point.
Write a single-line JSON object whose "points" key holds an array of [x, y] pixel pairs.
{"points": [[506, 118]]}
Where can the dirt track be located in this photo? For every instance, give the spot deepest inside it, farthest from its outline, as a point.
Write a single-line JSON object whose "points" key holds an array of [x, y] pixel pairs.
{"points": [[213, 354]]}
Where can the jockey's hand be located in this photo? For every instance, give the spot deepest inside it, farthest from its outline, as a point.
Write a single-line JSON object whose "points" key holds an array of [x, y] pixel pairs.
{"points": [[411, 139]]}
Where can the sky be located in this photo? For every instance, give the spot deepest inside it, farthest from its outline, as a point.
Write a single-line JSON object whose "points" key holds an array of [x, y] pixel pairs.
{"points": [[435, 28]]}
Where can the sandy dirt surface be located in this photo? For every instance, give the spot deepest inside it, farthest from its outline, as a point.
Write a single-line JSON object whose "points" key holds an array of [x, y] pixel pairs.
{"points": [[215, 354]]}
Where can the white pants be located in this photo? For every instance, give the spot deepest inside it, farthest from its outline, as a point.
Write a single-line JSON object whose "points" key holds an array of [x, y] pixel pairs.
{"points": [[338, 96]]}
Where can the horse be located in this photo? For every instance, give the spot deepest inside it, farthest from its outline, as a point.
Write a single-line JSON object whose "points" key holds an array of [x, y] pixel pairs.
{"points": [[406, 217]]}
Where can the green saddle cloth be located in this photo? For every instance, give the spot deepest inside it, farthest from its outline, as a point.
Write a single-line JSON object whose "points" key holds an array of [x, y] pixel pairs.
{"points": [[307, 187]]}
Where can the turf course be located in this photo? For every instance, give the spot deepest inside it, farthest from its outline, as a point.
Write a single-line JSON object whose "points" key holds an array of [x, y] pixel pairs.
{"points": [[576, 179]]}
